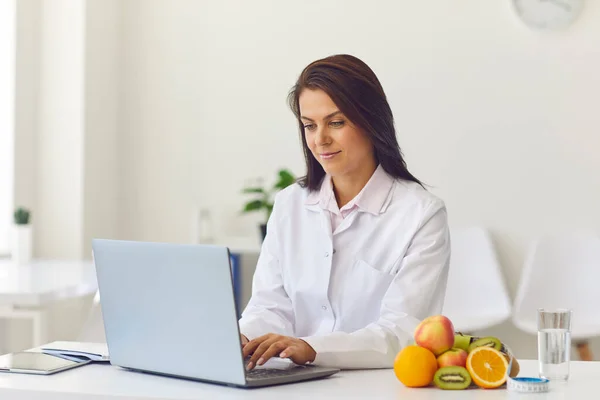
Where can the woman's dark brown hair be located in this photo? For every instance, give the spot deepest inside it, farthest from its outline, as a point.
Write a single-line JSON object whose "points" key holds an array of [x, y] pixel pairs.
{"points": [[355, 89]]}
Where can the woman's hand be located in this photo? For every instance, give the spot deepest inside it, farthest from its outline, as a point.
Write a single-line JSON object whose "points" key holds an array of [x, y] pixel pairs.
{"points": [[271, 345], [244, 340]]}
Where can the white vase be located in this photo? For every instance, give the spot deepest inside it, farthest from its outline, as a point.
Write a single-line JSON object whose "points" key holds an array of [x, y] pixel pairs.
{"points": [[22, 244]]}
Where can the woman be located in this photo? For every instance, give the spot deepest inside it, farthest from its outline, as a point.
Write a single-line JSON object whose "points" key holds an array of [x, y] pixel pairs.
{"points": [[357, 252]]}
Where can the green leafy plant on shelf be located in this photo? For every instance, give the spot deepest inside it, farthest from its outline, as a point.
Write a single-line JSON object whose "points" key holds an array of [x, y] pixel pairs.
{"points": [[263, 197]]}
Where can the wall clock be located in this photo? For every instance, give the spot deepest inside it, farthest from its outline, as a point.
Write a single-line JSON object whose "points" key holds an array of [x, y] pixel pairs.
{"points": [[548, 14]]}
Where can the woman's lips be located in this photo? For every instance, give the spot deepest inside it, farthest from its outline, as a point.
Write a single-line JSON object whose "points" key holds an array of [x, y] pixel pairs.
{"points": [[328, 156]]}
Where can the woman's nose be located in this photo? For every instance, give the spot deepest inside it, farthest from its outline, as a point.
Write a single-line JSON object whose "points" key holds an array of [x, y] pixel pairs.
{"points": [[322, 137]]}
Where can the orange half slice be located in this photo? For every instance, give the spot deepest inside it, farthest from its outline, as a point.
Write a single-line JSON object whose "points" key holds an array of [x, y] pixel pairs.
{"points": [[487, 367]]}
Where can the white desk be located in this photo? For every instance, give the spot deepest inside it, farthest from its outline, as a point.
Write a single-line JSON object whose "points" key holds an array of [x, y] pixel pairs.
{"points": [[26, 289], [95, 381]]}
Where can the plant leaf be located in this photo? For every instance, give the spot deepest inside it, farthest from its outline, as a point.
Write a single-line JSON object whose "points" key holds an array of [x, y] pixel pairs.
{"points": [[285, 179], [254, 205]]}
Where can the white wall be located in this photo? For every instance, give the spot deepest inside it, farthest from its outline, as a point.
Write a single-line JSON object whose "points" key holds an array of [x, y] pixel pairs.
{"points": [[58, 212], [101, 120], [162, 119], [502, 121]]}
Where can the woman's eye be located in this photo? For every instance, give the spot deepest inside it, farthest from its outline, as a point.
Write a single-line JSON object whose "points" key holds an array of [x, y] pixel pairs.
{"points": [[309, 127], [337, 124]]}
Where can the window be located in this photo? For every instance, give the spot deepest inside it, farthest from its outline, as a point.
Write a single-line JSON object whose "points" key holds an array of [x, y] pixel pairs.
{"points": [[7, 100]]}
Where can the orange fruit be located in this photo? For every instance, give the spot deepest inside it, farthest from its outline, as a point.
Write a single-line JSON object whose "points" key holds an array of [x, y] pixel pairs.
{"points": [[487, 367], [415, 366]]}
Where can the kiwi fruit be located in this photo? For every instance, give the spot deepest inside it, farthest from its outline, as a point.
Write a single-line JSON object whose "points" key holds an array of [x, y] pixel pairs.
{"points": [[489, 341], [452, 378], [462, 341]]}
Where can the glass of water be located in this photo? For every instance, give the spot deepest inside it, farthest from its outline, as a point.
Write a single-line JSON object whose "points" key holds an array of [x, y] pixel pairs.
{"points": [[554, 343]]}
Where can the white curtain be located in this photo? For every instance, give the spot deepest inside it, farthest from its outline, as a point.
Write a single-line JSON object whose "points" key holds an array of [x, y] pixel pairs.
{"points": [[7, 100]]}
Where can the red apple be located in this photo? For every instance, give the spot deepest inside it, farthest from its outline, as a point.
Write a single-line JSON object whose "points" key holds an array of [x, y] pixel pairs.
{"points": [[435, 333], [453, 358]]}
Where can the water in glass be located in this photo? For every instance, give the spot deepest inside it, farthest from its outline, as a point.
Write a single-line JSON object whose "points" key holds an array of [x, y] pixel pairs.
{"points": [[554, 353]]}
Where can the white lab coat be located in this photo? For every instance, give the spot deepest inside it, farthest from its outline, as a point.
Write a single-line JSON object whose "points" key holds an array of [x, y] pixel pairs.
{"points": [[357, 294]]}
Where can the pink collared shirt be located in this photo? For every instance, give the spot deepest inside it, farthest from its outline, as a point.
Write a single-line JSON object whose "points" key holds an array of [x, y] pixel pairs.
{"points": [[369, 199]]}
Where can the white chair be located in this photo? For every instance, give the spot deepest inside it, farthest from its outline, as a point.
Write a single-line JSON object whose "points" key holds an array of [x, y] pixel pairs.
{"points": [[93, 328], [562, 271], [476, 294]]}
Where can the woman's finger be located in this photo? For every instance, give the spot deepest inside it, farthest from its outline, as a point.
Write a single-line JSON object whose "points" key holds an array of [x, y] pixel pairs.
{"points": [[251, 346], [273, 350], [260, 350], [288, 352]]}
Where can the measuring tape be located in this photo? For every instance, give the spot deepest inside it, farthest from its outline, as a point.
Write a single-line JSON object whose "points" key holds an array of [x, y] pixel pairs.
{"points": [[528, 385], [524, 384]]}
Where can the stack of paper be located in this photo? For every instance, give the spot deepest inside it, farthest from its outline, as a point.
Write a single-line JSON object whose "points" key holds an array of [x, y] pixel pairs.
{"points": [[77, 350]]}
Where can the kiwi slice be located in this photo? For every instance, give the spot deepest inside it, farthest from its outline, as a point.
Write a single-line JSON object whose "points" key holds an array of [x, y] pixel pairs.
{"points": [[452, 378], [489, 341]]}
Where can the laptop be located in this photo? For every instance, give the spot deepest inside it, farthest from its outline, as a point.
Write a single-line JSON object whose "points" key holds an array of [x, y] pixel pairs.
{"points": [[169, 309]]}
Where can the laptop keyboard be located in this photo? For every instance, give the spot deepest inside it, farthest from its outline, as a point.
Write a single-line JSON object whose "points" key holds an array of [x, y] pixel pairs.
{"points": [[265, 373]]}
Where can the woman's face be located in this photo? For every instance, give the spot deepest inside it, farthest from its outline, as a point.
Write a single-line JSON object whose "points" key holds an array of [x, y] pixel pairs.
{"points": [[338, 145]]}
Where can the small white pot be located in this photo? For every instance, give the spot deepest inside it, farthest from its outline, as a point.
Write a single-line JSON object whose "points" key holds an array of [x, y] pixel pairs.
{"points": [[22, 244]]}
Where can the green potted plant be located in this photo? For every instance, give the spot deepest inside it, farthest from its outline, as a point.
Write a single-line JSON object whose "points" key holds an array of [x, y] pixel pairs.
{"points": [[263, 200], [22, 236]]}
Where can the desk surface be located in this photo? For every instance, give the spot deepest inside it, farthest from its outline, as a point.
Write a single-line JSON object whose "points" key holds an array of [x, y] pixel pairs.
{"points": [[96, 381], [45, 281]]}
